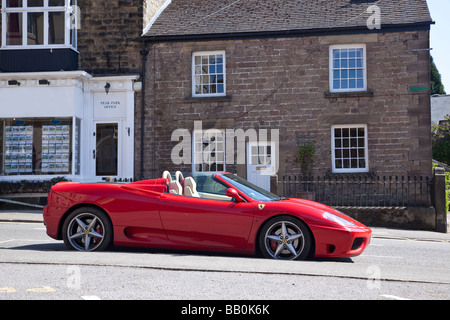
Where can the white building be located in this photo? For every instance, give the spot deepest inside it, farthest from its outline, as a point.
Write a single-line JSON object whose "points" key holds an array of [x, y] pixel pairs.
{"points": [[68, 124]]}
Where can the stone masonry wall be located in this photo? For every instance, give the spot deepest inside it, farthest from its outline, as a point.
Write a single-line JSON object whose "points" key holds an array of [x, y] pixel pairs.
{"points": [[284, 84], [109, 36]]}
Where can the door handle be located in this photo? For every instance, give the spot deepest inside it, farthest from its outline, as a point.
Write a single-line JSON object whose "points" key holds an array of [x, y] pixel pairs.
{"points": [[93, 154]]}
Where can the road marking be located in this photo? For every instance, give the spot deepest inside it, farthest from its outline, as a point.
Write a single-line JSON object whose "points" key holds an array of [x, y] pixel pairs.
{"points": [[43, 289], [7, 290], [388, 296], [90, 298], [391, 257], [7, 241]]}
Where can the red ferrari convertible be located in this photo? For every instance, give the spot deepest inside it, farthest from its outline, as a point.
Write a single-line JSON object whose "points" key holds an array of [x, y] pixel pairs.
{"points": [[222, 212]]}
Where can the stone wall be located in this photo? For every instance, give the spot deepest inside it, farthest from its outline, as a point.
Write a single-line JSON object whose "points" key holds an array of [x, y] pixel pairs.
{"points": [[283, 84], [109, 36]]}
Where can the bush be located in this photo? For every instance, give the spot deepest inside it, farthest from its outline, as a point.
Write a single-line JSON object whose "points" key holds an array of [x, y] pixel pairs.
{"points": [[441, 140]]}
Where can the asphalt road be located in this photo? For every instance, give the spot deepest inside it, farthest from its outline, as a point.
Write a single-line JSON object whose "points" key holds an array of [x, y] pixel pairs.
{"points": [[397, 266]]}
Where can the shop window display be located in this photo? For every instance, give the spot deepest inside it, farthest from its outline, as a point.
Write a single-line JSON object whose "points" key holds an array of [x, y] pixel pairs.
{"points": [[36, 147]]}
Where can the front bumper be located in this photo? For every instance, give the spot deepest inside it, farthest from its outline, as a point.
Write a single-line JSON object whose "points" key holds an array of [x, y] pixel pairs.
{"points": [[341, 242]]}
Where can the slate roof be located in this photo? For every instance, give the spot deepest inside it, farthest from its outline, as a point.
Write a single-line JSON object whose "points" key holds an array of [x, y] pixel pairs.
{"points": [[216, 17]]}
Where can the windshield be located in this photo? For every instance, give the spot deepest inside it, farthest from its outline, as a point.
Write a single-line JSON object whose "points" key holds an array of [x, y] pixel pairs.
{"points": [[250, 189]]}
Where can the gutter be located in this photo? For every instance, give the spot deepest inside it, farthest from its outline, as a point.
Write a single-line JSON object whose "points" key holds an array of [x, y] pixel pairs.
{"points": [[144, 52], [425, 25]]}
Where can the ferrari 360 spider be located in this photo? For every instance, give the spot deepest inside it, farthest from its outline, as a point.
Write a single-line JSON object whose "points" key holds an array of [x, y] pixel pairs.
{"points": [[220, 212]]}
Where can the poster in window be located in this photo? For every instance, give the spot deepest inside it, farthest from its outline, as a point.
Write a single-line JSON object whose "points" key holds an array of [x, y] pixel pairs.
{"points": [[18, 149], [55, 148]]}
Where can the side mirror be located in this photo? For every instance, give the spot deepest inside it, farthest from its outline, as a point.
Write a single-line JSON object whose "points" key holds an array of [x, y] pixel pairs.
{"points": [[232, 193]]}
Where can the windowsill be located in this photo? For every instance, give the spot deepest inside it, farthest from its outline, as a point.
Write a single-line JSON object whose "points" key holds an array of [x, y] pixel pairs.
{"points": [[351, 94], [209, 99], [331, 174]]}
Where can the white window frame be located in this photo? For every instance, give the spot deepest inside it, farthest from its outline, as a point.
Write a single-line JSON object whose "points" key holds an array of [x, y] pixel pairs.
{"points": [[332, 69], [205, 157], [195, 75], [334, 148], [68, 9]]}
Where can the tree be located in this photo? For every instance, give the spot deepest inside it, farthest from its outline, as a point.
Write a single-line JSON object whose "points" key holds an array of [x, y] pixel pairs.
{"points": [[441, 140], [436, 83]]}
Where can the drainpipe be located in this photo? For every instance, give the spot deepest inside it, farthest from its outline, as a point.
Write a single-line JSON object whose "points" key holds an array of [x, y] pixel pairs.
{"points": [[144, 52]]}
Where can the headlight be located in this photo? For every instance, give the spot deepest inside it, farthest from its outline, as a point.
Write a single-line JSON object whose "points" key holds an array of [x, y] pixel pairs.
{"points": [[337, 219]]}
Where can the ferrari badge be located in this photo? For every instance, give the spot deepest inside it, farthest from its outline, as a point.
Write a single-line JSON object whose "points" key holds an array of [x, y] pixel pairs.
{"points": [[261, 206]]}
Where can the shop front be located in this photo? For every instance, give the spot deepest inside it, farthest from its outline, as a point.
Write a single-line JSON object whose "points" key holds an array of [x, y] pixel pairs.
{"points": [[66, 124]]}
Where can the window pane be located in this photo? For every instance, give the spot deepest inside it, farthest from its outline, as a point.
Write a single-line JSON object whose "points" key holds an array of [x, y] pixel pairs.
{"points": [[336, 53], [35, 28], [337, 133], [56, 28], [35, 3], [361, 132], [352, 83], [359, 63], [336, 84], [338, 143], [362, 163], [56, 3], [336, 74], [351, 63], [14, 3], [336, 63], [360, 74], [360, 83], [14, 29]]}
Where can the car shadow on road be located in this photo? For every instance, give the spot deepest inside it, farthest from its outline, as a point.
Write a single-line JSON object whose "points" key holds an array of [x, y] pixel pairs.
{"points": [[38, 247], [59, 246]]}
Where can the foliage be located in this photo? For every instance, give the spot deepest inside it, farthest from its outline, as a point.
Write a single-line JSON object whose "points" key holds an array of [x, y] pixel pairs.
{"points": [[305, 156], [441, 140], [436, 83]]}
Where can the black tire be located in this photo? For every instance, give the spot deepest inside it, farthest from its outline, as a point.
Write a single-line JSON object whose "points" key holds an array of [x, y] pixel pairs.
{"points": [[87, 229], [285, 238]]}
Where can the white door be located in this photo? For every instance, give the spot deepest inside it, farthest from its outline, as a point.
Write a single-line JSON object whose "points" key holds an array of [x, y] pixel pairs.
{"points": [[260, 163]]}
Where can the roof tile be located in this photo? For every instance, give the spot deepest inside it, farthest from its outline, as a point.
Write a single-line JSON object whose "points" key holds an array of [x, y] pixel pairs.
{"points": [[202, 17]]}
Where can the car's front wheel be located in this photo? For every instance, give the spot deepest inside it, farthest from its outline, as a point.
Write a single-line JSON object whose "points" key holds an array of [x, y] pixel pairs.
{"points": [[87, 229], [285, 238]]}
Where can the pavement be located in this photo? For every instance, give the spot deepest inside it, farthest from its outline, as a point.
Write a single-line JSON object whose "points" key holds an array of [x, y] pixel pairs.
{"points": [[35, 216]]}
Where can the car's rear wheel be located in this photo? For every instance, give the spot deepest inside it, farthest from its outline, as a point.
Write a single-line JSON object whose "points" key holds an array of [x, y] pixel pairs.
{"points": [[285, 238], [87, 229]]}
